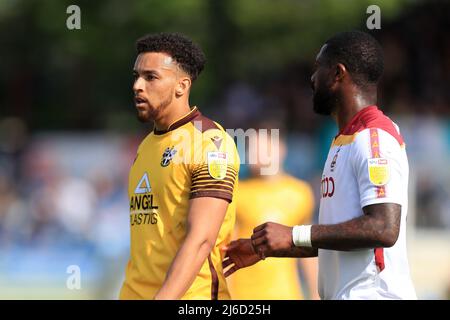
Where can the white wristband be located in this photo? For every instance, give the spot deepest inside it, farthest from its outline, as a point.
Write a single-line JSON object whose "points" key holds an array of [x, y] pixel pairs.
{"points": [[301, 236]]}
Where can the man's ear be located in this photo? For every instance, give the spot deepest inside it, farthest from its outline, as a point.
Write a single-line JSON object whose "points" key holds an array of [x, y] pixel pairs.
{"points": [[183, 86], [340, 72]]}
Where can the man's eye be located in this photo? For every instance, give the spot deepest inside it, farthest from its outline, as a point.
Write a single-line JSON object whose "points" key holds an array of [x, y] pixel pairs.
{"points": [[149, 77]]}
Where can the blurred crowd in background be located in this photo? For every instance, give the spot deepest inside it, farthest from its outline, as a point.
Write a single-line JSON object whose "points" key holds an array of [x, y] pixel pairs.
{"points": [[68, 133]]}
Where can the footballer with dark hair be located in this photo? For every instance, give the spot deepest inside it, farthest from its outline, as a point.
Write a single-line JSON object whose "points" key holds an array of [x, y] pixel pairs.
{"points": [[182, 182], [361, 235]]}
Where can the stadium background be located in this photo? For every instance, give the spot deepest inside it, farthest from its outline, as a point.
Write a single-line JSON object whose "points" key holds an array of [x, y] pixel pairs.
{"points": [[68, 130]]}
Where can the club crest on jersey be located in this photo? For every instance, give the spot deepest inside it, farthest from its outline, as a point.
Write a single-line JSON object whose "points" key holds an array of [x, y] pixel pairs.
{"points": [[217, 164], [167, 156], [379, 172], [333, 162]]}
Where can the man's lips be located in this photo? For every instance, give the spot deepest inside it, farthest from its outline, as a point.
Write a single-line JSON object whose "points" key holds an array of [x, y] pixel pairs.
{"points": [[139, 101]]}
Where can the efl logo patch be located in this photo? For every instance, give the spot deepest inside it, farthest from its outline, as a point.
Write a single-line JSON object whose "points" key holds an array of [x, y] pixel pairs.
{"points": [[217, 164], [167, 156], [379, 172]]}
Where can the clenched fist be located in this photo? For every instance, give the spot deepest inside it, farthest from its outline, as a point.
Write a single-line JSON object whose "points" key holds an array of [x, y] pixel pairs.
{"points": [[270, 238]]}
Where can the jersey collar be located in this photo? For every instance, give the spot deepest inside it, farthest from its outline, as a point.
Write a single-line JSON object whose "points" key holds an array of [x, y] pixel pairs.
{"points": [[180, 122], [358, 120]]}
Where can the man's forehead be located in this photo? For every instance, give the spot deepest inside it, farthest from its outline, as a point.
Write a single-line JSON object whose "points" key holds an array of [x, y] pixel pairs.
{"points": [[154, 60], [321, 51]]}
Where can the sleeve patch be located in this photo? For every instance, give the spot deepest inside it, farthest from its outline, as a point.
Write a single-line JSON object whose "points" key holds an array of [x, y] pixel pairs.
{"points": [[379, 171], [217, 165]]}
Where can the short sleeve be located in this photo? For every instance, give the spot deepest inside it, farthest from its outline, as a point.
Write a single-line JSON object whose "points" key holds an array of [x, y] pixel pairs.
{"points": [[216, 169], [380, 167]]}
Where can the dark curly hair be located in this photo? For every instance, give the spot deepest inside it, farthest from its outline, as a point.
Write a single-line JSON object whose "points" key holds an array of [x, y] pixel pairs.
{"points": [[186, 53], [361, 54]]}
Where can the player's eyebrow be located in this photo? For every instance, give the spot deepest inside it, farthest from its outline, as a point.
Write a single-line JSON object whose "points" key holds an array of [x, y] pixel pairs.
{"points": [[146, 72]]}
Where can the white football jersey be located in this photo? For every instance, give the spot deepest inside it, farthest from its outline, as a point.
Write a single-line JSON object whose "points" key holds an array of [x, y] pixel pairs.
{"points": [[366, 164]]}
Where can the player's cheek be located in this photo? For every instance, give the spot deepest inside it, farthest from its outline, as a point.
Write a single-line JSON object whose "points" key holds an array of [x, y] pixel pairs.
{"points": [[151, 92]]}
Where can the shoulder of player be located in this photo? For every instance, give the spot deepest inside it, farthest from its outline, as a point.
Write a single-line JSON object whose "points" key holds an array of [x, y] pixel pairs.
{"points": [[293, 182], [380, 122], [211, 131], [368, 119], [379, 135], [375, 143], [204, 124]]}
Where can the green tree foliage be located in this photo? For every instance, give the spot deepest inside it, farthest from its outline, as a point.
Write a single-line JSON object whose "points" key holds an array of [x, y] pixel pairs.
{"points": [[57, 78]]}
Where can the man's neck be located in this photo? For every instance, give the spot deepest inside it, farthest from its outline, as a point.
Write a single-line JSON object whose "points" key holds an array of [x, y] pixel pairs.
{"points": [[351, 104], [172, 114]]}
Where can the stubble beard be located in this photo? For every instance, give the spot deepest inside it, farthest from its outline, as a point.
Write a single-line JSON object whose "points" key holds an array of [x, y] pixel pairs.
{"points": [[152, 114], [324, 102]]}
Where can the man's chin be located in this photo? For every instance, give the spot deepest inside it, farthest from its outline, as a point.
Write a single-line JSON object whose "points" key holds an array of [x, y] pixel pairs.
{"points": [[144, 117], [322, 106]]}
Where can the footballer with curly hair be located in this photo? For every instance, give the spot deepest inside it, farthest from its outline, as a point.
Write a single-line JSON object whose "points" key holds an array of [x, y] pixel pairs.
{"points": [[182, 182]]}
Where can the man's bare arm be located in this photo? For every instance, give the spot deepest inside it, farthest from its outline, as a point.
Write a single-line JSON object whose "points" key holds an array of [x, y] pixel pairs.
{"points": [[296, 252], [378, 227], [198, 244]]}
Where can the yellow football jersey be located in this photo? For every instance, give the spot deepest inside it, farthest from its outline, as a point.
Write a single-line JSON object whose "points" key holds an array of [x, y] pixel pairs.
{"points": [[195, 157], [282, 199]]}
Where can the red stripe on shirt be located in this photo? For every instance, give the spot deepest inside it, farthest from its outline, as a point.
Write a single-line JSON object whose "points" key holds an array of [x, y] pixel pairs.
{"points": [[379, 258], [375, 149]]}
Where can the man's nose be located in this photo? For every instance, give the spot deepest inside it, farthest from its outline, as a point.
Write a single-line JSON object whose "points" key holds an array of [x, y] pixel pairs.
{"points": [[138, 85]]}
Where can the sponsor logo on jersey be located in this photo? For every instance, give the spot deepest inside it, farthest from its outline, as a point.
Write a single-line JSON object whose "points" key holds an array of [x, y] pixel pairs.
{"points": [[143, 185], [143, 218], [327, 187], [167, 156], [142, 208], [217, 164], [379, 172]]}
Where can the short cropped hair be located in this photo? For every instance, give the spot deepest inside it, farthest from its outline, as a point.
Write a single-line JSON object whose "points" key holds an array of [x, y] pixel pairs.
{"points": [[183, 50], [361, 54]]}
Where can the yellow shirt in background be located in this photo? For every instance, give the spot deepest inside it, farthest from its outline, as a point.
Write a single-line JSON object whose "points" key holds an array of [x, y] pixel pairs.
{"points": [[282, 199]]}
